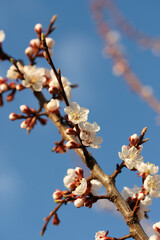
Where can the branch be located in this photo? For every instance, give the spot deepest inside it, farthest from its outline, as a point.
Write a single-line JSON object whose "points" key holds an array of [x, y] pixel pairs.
{"points": [[108, 182]]}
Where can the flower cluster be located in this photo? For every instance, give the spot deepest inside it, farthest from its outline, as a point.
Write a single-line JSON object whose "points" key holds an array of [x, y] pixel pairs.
{"points": [[36, 47], [31, 76], [53, 85], [31, 116], [87, 131], [151, 184], [81, 191]]}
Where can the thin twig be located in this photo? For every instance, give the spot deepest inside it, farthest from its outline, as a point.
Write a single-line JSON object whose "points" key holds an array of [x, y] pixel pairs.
{"points": [[47, 219]]}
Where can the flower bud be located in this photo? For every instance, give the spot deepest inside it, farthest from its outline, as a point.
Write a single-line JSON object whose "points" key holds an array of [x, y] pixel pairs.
{"points": [[19, 87], [57, 194], [140, 196], [25, 123], [10, 97], [29, 51], [49, 42], [25, 109], [3, 87], [12, 85], [13, 116], [35, 43], [53, 105], [42, 121], [56, 220], [79, 202], [38, 28], [72, 145], [70, 131], [52, 90], [133, 139]]}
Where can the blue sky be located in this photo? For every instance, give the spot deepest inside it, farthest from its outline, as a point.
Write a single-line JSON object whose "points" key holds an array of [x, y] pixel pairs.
{"points": [[29, 171]]}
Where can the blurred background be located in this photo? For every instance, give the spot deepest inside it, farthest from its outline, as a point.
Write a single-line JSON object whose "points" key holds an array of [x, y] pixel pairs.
{"points": [[29, 171]]}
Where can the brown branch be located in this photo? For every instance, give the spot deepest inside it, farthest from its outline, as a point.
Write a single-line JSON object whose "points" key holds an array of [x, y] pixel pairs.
{"points": [[47, 219], [107, 181]]}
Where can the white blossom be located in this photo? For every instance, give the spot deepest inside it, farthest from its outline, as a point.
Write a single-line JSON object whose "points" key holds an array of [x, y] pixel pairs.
{"points": [[66, 84], [2, 36], [135, 193], [90, 139], [131, 156], [34, 78], [13, 73], [53, 105], [148, 168], [67, 180], [76, 114], [81, 189], [152, 185], [87, 128], [96, 185]]}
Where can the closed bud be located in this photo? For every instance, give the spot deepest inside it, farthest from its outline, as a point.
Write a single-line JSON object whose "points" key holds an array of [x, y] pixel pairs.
{"points": [[3, 87], [19, 87], [57, 194], [79, 202], [43, 121], [49, 42], [25, 109], [25, 123], [72, 145], [133, 139], [35, 43], [56, 220], [53, 105], [70, 131], [29, 51], [12, 85], [140, 196], [10, 97], [38, 28], [14, 116]]}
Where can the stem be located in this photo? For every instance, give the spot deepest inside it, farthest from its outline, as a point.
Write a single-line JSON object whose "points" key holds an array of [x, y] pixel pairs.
{"points": [[47, 219], [118, 170], [57, 74]]}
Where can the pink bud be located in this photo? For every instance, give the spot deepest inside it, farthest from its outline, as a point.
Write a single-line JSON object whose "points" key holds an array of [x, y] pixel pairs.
{"points": [[72, 145], [70, 131], [10, 97], [42, 121], [12, 85], [56, 220], [133, 139]]}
